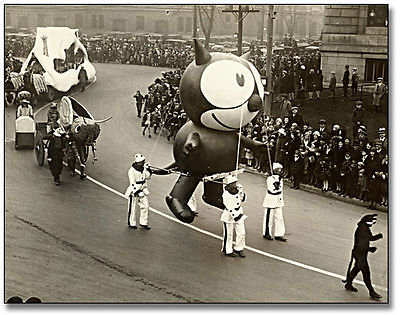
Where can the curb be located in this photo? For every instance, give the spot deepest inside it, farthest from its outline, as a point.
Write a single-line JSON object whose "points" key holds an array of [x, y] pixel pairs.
{"points": [[317, 191]]}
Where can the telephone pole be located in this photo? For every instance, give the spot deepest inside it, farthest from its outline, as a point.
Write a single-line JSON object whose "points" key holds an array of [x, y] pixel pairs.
{"points": [[240, 15], [195, 21], [270, 33]]}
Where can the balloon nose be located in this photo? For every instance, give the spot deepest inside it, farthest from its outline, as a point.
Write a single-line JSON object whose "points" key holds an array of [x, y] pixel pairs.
{"points": [[255, 103]]}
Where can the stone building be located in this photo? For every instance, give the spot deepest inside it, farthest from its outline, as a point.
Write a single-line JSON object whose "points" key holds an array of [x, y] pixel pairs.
{"points": [[356, 35], [303, 21]]}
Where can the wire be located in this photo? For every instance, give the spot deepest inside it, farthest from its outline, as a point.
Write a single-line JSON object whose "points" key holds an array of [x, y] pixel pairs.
{"points": [[240, 135]]}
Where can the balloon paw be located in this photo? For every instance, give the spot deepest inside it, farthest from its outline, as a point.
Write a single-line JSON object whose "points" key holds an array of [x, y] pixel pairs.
{"points": [[180, 210]]}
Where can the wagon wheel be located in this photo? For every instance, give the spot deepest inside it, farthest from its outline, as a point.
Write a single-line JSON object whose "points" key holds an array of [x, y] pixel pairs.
{"points": [[39, 148]]}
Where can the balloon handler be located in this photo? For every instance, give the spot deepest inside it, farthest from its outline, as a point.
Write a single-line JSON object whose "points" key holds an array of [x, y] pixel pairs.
{"points": [[137, 191], [362, 237], [220, 93]]}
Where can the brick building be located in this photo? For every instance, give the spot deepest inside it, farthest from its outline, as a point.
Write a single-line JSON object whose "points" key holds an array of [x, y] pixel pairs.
{"points": [[303, 21], [356, 35]]}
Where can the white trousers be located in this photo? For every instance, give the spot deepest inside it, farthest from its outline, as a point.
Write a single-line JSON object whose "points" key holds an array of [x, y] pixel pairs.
{"points": [[273, 222], [133, 204], [227, 247]]}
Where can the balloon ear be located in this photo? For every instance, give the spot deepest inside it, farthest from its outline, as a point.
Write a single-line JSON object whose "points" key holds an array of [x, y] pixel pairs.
{"points": [[202, 55], [246, 56]]}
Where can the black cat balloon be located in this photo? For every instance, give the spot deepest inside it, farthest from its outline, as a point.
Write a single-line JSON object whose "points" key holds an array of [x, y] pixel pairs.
{"points": [[219, 93]]}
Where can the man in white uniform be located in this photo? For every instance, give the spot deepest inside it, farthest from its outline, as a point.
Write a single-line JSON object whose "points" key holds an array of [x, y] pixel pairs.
{"points": [[233, 217], [273, 226], [137, 192]]}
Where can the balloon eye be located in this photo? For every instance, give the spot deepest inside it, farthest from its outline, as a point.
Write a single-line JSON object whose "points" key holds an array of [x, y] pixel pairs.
{"points": [[77, 129], [240, 79]]}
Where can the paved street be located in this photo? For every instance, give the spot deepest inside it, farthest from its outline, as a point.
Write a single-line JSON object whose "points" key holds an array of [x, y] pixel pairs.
{"points": [[72, 243]]}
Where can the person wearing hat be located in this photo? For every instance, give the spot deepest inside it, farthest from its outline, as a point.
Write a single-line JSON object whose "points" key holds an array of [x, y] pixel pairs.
{"points": [[53, 116], [357, 117], [285, 106], [379, 91], [297, 170], [56, 153], [332, 84], [296, 117], [273, 224], [346, 79], [139, 102], [322, 126], [25, 109], [354, 82], [137, 191], [233, 217], [382, 137]]}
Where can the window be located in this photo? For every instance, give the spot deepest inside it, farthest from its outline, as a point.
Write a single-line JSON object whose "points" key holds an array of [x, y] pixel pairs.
{"points": [[375, 68], [101, 21], [119, 25], [78, 20], [378, 15], [59, 21], [180, 24], [189, 24], [22, 21], [41, 20], [94, 21], [140, 23]]}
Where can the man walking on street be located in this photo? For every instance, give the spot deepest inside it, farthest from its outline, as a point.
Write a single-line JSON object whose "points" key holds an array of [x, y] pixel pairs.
{"points": [[139, 102], [273, 226]]}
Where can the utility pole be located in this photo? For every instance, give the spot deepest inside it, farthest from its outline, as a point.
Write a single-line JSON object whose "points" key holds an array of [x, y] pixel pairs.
{"points": [[195, 21], [262, 24], [270, 32], [240, 15]]}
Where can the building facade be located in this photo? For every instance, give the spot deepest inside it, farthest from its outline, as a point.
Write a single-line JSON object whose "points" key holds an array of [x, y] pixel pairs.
{"points": [[356, 35], [301, 21]]}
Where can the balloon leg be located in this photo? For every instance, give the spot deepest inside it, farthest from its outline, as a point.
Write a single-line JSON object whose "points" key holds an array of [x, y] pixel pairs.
{"points": [[179, 197]]}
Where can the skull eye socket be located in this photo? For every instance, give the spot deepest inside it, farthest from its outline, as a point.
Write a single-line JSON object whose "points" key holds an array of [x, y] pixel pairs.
{"points": [[77, 129]]}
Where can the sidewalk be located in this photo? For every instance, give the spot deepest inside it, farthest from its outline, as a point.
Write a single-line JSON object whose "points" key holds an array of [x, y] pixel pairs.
{"points": [[315, 190]]}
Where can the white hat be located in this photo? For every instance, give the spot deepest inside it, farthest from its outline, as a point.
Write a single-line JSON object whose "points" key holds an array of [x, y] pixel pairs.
{"points": [[275, 166], [230, 179], [139, 158]]}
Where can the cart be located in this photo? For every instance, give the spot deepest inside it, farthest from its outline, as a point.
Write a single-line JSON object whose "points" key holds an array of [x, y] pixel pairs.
{"points": [[24, 132], [42, 143]]}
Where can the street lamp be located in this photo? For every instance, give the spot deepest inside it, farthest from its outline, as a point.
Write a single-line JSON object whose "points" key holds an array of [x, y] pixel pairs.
{"points": [[235, 35]]}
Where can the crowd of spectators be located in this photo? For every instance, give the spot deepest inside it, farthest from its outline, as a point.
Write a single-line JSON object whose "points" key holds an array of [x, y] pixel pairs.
{"points": [[294, 72], [162, 110], [323, 157], [157, 53]]}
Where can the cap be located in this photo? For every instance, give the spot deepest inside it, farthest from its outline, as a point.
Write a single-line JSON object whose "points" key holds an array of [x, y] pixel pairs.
{"points": [[354, 68], [322, 122], [382, 130], [276, 166], [138, 158], [333, 72], [53, 105], [25, 101], [379, 79], [295, 107], [230, 179], [358, 103]]}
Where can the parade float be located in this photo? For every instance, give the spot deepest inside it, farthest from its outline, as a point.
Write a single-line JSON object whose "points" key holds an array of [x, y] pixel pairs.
{"points": [[58, 61]]}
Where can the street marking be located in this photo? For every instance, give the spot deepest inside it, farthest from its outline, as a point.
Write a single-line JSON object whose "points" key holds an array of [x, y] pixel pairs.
{"points": [[255, 250]]}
